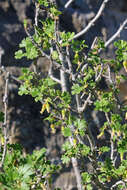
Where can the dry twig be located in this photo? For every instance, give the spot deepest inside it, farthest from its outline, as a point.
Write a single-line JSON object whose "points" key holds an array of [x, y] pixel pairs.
{"points": [[92, 22], [116, 34], [5, 125], [68, 4]]}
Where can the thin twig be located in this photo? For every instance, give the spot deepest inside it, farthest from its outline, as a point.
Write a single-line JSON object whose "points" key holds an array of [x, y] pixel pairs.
{"points": [[50, 73], [112, 148], [93, 43], [68, 4], [69, 63], [90, 142], [1, 54], [3, 69], [36, 14], [5, 125], [100, 73], [116, 34], [111, 140], [72, 74], [118, 183], [82, 109], [110, 40], [92, 22]]}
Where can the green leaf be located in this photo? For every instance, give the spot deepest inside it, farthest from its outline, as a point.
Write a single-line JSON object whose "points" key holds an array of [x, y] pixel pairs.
{"points": [[39, 154], [65, 159], [25, 171], [76, 89], [86, 177], [25, 23], [66, 146], [81, 125], [55, 55], [89, 187], [85, 150], [34, 92], [19, 54], [31, 50], [55, 11], [67, 132], [43, 2], [22, 90], [104, 149]]}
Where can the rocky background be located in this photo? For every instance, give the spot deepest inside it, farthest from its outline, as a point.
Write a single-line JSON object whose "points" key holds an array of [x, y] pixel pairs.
{"points": [[26, 124]]}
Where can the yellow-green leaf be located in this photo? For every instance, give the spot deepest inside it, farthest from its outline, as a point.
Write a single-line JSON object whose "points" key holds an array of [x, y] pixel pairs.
{"points": [[43, 109], [125, 65]]}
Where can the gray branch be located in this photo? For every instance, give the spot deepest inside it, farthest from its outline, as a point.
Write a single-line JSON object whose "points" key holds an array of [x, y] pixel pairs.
{"points": [[68, 4], [116, 34], [5, 125], [92, 22]]}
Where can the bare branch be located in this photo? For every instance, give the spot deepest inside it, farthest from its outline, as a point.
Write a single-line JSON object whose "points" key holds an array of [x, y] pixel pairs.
{"points": [[52, 77], [81, 109], [117, 33], [76, 169], [90, 142], [1, 53], [94, 42], [5, 125], [112, 148], [69, 63], [92, 22], [2, 68], [50, 73], [68, 4], [36, 13], [111, 140], [100, 73], [72, 74], [63, 59], [118, 183]]}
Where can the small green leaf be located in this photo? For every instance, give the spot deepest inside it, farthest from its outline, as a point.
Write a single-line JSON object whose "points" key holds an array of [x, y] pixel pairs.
{"points": [[86, 177], [89, 187], [43, 2], [104, 149], [25, 23], [19, 54], [55, 55], [65, 159], [25, 171], [22, 90], [76, 89], [55, 11], [67, 132]]}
